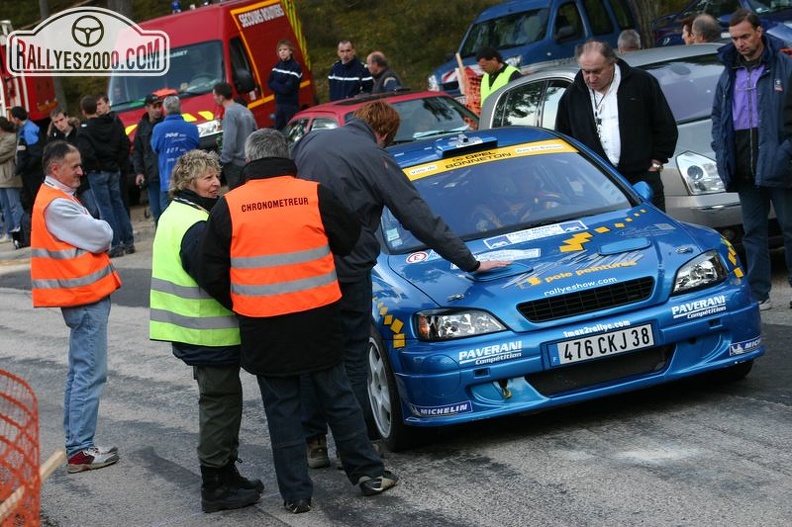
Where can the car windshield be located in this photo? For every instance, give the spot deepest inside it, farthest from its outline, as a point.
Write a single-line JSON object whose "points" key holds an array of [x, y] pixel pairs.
{"points": [[769, 6], [689, 85], [432, 116], [506, 195], [513, 30], [428, 117], [194, 70]]}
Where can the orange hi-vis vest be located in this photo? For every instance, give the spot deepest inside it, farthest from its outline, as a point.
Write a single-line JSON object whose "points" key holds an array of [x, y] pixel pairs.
{"points": [[61, 274], [280, 256]]}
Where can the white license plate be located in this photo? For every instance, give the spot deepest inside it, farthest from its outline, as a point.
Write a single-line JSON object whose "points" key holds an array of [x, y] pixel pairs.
{"points": [[602, 345]]}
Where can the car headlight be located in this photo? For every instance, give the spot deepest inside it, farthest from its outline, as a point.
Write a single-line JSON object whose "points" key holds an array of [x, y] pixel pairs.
{"points": [[432, 83], [209, 128], [702, 271], [445, 324], [699, 173]]}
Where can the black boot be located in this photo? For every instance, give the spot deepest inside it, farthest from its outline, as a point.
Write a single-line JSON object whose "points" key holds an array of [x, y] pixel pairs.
{"points": [[217, 494], [233, 477]]}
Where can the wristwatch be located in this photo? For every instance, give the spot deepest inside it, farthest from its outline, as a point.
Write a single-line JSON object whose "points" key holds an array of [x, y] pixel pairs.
{"points": [[657, 166]]}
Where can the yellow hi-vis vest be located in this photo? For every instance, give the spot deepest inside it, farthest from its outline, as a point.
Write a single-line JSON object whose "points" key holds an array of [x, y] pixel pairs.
{"points": [[180, 310], [500, 81]]}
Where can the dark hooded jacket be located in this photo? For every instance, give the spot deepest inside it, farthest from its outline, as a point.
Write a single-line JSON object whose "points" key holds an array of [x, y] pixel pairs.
{"points": [[103, 144]]}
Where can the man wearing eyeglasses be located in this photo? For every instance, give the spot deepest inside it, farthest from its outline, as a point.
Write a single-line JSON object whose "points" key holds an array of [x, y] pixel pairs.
{"points": [[621, 113]]}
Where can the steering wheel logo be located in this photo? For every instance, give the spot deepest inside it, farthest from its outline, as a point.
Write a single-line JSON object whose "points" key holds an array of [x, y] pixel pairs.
{"points": [[87, 31]]}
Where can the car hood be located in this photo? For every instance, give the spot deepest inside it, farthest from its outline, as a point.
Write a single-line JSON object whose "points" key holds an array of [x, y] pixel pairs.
{"points": [[557, 259]]}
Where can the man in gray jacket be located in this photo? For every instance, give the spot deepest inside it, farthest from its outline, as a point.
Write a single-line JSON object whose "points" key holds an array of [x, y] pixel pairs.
{"points": [[238, 124], [353, 162]]}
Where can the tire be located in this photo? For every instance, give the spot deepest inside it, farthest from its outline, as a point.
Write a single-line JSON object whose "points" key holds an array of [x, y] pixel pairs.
{"points": [[384, 399], [734, 373]]}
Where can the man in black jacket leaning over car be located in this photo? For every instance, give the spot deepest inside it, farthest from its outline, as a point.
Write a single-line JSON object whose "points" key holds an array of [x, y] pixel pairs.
{"points": [[621, 113], [353, 162]]}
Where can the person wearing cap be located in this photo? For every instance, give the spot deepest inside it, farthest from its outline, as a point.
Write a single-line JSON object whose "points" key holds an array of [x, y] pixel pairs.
{"points": [[144, 160]]}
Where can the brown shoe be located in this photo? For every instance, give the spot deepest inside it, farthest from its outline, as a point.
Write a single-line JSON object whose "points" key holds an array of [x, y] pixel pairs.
{"points": [[316, 449]]}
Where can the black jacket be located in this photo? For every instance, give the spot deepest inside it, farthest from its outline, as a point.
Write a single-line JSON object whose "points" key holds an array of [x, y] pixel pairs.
{"points": [[103, 144], [647, 127], [144, 160], [366, 178], [287, 344]]}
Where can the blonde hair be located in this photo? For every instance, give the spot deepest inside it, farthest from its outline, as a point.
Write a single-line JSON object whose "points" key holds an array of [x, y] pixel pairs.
{"points": [[191, 166]]}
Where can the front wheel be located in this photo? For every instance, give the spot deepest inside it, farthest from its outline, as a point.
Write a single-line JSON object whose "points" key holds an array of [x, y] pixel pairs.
{"points": [[384, 398]]}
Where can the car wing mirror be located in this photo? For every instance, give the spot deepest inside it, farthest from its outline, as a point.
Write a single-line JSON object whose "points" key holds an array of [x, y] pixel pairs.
{"points": [[644, 190]]}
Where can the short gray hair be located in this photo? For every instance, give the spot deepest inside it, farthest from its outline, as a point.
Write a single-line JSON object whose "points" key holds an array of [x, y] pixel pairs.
{"points": [[629, 40], [171, 105], [266, 142]]}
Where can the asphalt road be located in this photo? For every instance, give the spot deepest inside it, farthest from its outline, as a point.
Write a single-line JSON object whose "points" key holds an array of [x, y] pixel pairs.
{"points": [[697, 453]]}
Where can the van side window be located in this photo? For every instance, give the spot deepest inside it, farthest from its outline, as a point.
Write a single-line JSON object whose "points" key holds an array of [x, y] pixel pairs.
{"points": [[239, 58], [598, 17], [624, 17], [568, 24]]}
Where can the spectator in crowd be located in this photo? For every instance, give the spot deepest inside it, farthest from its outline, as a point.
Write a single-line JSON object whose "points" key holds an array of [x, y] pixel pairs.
{"points": [[348, 76], [145, 161], [28, 156], [592, 110], [687, 29], [385, 79], [10, 183], [171, 139], [284, 81], [705, 29], [354, 157], [125, 168], [68, 243], [496, 72], [629, 40], [238, 124], [248, 243], [104, 148], [751, 131], [202, 333], [65, 128]]}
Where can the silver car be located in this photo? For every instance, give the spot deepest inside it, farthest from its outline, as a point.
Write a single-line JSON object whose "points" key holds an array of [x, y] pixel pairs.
{"points": [[688, 76]]}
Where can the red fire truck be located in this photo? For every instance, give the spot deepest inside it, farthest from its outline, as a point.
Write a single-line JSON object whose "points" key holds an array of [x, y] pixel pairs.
{"points": [[36, 94], [231, 41]]}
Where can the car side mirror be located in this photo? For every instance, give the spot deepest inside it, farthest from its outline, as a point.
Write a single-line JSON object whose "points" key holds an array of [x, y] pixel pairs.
{"points": [[243, 81], [644, 190]]}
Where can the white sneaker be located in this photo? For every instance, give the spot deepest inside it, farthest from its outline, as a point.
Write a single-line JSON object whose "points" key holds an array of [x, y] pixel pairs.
{"points": [[5, 238], [90, 459], [765, 304]]}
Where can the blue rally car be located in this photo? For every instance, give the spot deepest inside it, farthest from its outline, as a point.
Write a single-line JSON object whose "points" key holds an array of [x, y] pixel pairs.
{"points": [[605, 294]]}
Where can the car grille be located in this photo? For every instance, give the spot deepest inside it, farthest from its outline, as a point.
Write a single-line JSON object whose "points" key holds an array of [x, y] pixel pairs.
{"points": [[587, 301], [576, 377]]}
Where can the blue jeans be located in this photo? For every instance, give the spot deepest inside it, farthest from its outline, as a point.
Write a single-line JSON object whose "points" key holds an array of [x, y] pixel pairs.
{"points": [[87, 372], [11, 205], [155, 206], [355, 306], [755, 205], [106, 188], [281, 397]]}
